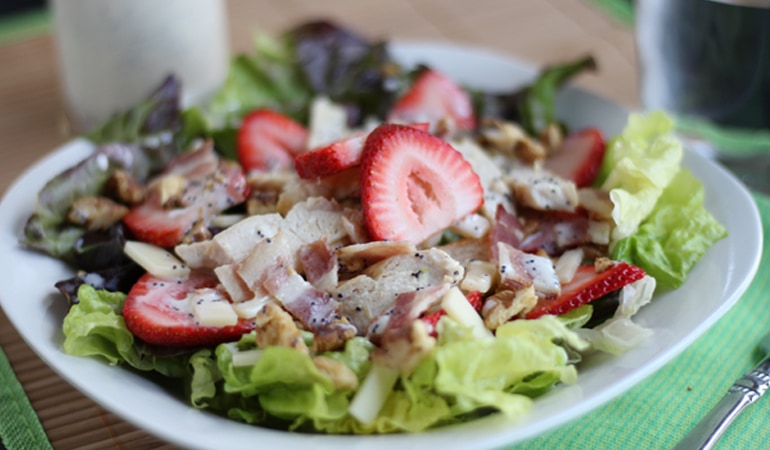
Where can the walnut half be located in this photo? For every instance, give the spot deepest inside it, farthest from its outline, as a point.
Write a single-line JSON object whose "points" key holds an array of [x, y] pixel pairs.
{"points": [[96, 213]]}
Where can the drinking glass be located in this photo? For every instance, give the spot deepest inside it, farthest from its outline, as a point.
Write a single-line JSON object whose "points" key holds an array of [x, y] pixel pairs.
{"points": [[113, 54], [708, 63]]}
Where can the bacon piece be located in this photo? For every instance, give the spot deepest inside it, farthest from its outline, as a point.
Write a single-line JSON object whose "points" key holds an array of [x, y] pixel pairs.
{"points": [[404, 339], [507, 229], [320, 264], [197, 164], [555, 232], [314, 308]]}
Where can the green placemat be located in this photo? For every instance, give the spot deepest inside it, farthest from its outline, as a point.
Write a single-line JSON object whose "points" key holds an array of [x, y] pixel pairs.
{"points": [[658, 412], [20, 428]]}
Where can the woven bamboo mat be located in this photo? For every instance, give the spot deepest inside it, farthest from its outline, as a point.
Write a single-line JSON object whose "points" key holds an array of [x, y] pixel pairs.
{"points": [[31, 121]]}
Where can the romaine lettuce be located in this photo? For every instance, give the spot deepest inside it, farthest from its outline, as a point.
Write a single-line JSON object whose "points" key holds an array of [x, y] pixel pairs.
{"points": [[462, 377], [619, 333], [95, 327], [638, 165], [677, 233]]}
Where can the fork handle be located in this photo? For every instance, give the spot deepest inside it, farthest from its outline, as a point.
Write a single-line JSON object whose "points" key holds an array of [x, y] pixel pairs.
{"points": [[745, 391]]}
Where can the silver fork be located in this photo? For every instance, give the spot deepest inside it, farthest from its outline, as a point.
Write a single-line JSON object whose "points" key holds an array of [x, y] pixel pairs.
{"points": [[745, 391]]}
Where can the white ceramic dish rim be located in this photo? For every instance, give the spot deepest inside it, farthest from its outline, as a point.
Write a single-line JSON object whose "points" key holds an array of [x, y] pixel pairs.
{"points": [[716, 284]]}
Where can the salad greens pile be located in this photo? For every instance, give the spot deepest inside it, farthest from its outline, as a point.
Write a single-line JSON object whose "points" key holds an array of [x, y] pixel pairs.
{"points": [[463, 378], [662, 226]]}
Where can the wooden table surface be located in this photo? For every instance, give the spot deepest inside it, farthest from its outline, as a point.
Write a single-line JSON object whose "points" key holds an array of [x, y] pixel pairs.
{"points": [[32, 123]]}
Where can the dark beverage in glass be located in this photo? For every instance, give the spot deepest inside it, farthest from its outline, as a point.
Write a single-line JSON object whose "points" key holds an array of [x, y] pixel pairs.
{"points": [[706, 58]]}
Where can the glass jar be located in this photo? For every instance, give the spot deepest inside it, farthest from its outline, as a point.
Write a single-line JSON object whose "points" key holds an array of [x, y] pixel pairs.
{"points": [[114, 53]]}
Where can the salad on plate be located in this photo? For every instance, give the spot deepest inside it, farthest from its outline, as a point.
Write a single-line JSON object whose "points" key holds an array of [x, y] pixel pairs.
{"points": [[338, 244]]}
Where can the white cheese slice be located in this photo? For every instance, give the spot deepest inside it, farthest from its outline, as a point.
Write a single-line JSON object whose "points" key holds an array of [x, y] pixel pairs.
{"points": [[155, 260], [457, 307], [211, 308]]}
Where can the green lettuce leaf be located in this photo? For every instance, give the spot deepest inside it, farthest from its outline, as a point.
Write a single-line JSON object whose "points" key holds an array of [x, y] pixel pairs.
{"points": [[285, 73], [139, 141], [283, 383], [534, 105], [638, 165], [618, 334], [269, 78], [463, 377], [538, 103], [95, 327], [677, 233]]}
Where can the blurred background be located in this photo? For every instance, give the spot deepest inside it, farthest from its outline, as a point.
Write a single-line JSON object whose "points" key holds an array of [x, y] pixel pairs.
{"points": [[538, 31]]}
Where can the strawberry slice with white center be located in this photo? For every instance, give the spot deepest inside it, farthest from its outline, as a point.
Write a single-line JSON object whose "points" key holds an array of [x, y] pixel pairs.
{"points": [[434, 97], [585, 286], [158, 311], [205, 194], [337, 156], [269, 140], [414, 184], [579, 158]]}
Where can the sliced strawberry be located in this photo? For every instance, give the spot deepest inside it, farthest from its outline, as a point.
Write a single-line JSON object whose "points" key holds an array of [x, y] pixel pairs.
{"points": [[587, 285], [205, 195], [414, 184], [268, 140], [430, 320], [475, 299], [157, 311], [331, 159], [337, 156], [422, 126], [579, 158], [434, 97]]}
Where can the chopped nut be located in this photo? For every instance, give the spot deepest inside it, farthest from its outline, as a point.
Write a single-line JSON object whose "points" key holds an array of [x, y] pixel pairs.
{"points": [[403, 349], [502, 136], [445, 126], [340, 374], [552, 137], [123, 187], [510, 139], [274, 326], [603, 263], [505, 305], [96, 213], [530, 151], [171, 188], [334, 336], [198, 232], [262, 202], [591, 252]]}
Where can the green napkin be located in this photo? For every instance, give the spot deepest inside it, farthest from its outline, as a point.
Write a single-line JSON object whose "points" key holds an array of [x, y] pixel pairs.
{"points": [[20, 428], [658, 412]]}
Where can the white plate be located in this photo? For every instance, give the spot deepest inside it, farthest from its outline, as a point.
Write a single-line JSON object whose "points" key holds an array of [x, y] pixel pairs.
{"points": [[29, 299]]}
